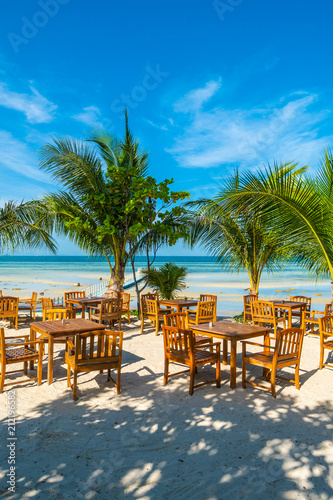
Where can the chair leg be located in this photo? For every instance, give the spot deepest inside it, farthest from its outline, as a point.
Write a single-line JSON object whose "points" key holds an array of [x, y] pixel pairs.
{"points": [[68, 375], [192, 374], [2, 377], [321, 361], [142, 323], [157, 326], [118, 378], [75, 386], [166, 371], [218, 370], [244, 368], [25, 368], [128, 317], [40, 366], [273, 383], [297, 376]]}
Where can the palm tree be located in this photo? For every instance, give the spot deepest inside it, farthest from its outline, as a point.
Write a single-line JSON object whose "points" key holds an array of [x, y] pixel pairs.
{"points": [[25, 225], [108, 203], [239, 241], [296, 206], [167, 280]]}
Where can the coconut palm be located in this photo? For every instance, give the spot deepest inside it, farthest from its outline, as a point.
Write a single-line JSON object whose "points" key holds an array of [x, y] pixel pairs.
{"points": [[24, 225], [239, 242], [167, 280], [297, 206]]}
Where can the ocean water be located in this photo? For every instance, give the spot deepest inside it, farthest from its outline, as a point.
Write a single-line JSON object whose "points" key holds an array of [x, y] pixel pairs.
{"points": [[53, 274]]}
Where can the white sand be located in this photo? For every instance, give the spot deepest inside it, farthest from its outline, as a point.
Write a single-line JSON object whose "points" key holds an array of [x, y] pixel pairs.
{"points": [[157, 442]]}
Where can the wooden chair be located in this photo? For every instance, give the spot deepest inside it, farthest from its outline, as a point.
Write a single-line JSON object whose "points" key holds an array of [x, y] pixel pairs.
{"points": [[248, 299], [264, 312], [205, 312], [179, 347], [19, 352], [28, 305], [207, 297], [53, 315], [95, 351], [154, 313], [74, 295], [9, 310], [287, 352], [300, 298], [312, 318], [326, 332], [126, 300], [109, 310], [178, 320], [143, 306]]}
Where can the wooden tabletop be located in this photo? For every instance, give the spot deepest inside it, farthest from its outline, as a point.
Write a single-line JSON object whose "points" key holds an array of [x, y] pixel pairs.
{"points": [[179, 302], [288, 303], [71, 327], [230, 331], [86, 300]]}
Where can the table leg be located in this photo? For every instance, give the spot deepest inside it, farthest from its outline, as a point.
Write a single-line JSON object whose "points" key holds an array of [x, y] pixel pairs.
{"points": [[225, 352], [290, 318], [83, 311], [233, 358], [265, 371], [50, 361], [33, 346]]}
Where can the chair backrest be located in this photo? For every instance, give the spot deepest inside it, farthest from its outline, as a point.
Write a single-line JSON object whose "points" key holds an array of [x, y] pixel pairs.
{"points": [[98, 347], [178, 341], [126, 297], [111, 306], [208, 297], [74, 295], [176, 320], [247, 299], [9, 305], [289, 343], [263, 310], [205, 311], [54, 314], [0, 293], [326, 326], [151, 307], [145, 297], [302, 298], [329, 309], [2, 345], [33, 298], [47, 303]]}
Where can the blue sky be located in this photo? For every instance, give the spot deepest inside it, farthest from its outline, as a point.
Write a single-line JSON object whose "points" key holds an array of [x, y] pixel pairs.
{"points": [[209, 85]]}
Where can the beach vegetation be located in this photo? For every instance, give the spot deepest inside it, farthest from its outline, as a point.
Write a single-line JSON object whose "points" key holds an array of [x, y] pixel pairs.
{"points": [[24, 225], [167, 280], [108, 203]]}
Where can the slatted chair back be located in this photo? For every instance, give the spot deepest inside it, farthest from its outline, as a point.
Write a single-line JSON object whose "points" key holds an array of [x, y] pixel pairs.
{"points": [[47, 303], [151, 307], [74, 295], [262, 311], [247, 300], [144, 298], [9, 309], [207, 296], [326, 326], [60, 313], [178, 342], [302, 298], [289, 343], [34, 299], [205, 311], [126, 301], [325, 331], [328, 309], [176, 320], [111, 306]]}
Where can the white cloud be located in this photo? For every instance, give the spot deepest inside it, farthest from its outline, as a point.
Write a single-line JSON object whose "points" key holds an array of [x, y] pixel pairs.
{"points": [[18, 158], [193, 101], [90, 116], [283, 131], [36, 108]]}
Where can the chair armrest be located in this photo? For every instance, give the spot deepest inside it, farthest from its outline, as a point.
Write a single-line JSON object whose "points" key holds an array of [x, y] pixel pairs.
{"points": [[18, 337], [15, 344], [256, 344], [70, 344]]}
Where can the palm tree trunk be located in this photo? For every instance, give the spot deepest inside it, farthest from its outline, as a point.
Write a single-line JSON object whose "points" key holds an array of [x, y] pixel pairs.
{"points": [[116, 282]]}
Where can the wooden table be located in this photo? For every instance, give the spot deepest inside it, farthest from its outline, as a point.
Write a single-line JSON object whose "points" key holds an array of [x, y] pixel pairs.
{"points": [[179, 304], [54, 329], [84, 302], [234, 332], [290, 306]]}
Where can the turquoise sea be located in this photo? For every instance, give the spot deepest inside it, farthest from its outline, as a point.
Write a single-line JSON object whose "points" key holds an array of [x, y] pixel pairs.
{"points": [[53, 274]]}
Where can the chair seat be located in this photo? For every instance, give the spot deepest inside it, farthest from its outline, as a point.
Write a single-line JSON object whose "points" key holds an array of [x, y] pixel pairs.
{"points": [[328, 344], [25, 307], [264, 359], [203, 356], [21, 352]]}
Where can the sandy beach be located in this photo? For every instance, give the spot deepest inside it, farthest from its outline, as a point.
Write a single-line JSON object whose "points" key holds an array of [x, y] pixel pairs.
{"points": [[157, 442]]}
